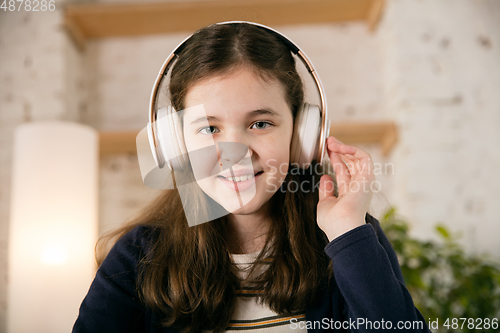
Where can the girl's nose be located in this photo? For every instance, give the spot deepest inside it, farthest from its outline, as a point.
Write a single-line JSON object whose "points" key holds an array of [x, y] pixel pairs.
{"points": [[234, 145], [231, 153]]}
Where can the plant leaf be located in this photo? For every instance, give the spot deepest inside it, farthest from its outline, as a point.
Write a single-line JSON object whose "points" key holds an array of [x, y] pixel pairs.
{"points": [[443, 231]]}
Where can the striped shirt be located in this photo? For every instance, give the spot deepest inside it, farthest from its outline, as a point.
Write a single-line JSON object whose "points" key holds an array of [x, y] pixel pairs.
{"points": [[248, 314]]}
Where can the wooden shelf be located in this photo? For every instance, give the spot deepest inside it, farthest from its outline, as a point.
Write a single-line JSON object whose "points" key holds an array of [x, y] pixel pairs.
{"points": [[116, 143], [97, 20], [383, 133]]}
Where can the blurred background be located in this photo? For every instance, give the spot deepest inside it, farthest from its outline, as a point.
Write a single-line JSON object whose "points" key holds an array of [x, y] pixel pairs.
{"points": [[416, 83]]}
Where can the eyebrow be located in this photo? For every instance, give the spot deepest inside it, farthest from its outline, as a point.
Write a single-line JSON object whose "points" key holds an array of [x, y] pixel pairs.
{"points": [[249, 114]]}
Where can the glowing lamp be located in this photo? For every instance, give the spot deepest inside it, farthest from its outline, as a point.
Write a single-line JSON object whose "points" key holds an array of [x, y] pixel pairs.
{"points": [[53, 225]]}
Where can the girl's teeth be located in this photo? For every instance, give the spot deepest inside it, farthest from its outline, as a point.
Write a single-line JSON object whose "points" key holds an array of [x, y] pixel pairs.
{"points": [[240, 179]]}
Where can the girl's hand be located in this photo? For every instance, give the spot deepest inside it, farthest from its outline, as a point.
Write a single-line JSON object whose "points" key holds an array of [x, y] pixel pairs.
{"points": [[337, 215]]}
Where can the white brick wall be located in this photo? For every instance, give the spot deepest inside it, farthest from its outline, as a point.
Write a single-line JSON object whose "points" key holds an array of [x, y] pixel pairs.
{"points": [[442, 84], [433, 66]]}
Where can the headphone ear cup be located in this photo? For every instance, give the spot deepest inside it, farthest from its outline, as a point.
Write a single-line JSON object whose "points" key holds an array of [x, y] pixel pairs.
{"points": [[155, 151], [306, 135], [182, 159], [294, 153], [172, 149]]}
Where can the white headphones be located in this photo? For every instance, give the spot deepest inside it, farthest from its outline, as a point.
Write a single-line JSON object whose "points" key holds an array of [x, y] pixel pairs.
{"points": [[310, 130]]}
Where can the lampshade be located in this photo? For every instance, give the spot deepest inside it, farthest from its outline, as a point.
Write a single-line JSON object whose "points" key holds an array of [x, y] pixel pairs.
{"points": [[53, 225]]}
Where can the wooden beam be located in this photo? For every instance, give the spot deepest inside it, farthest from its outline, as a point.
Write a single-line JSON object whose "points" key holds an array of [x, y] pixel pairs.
{"points": [[375, 13], [75, 32], [383, 133], [389, 138], [98, 20], [115, 143]]}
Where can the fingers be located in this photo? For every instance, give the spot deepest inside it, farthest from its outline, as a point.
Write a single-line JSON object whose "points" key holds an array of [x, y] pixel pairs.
{"points": [[340, 167], [326, 187], [358, 160], [334, 145], [341, 173], [350, 151]]}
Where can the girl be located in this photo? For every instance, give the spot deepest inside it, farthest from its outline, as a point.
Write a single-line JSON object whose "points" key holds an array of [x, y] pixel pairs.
{"points": [[285, 260]]}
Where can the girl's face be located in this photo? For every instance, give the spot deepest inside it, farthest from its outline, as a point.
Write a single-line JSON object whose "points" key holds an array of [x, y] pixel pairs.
{"points": [[251, 125]]}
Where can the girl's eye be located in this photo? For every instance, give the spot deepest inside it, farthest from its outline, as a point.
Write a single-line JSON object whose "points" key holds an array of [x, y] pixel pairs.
{"points": [[208, 130], [261, 125]]}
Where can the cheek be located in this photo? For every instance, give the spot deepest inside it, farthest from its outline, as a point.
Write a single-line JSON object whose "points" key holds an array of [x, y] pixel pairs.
{"points": [[192, 142], [276, 153], [202, 155]]}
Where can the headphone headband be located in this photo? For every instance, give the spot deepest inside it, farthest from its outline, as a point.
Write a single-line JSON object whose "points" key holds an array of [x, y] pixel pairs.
{"points": [[291, 46]]}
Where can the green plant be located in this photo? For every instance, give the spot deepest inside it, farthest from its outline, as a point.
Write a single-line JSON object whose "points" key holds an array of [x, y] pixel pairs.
{"points": [[444, 280]]}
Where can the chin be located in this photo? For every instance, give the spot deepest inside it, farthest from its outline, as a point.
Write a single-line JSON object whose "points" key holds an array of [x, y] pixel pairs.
{"points": [[250, 208], [246, 203]]}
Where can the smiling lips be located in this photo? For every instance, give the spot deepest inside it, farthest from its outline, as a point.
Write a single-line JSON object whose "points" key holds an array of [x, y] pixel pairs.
{"points": [[240, 178], [240, 182]]}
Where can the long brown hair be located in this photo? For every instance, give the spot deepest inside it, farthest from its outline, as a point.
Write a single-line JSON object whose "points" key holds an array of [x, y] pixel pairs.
{"points": [[187, 278]]}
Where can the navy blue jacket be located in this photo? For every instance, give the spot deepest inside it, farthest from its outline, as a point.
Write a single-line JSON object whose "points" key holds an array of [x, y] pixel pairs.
{"points": [[368, 293]]}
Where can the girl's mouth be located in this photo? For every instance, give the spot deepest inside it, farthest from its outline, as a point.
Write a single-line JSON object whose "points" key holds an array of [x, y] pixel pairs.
{"points": [[240, 183], [241, 178]]}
